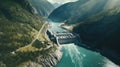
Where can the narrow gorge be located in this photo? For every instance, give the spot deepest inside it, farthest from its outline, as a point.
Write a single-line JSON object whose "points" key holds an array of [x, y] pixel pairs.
{"points": [[59, 33]]}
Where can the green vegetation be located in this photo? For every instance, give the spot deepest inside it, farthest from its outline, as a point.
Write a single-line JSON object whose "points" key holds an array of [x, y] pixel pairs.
{"points": [[101, 32], [43, 7], [21, 56], [104, 26], [18, 28]]}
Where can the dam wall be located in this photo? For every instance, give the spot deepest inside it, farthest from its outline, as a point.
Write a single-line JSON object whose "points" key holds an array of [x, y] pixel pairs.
{"points": [[61, 37]]}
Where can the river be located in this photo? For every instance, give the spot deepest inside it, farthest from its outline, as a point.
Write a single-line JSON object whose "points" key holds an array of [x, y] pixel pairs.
{"points": [[76, 56]]}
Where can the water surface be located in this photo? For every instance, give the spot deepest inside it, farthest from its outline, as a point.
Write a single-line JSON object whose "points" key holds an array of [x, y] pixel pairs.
{"points": [[76, 56]]}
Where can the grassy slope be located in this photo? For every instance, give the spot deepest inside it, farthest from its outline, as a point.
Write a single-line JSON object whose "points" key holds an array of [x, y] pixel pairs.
{"points": [[18, 27]]}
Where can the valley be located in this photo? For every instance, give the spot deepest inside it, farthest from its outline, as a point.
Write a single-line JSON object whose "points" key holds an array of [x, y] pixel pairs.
{"points": [[59, 33], [75, 55]]}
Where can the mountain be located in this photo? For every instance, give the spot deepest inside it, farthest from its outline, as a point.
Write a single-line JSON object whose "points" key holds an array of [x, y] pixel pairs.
{"points": [[43, 7], [56, 5], [21, 44], [101, 32], [16, 19], [78, 11], [112, 4]]}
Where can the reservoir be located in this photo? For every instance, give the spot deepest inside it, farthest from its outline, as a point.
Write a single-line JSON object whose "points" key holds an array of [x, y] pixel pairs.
{"points": [[76, 56]]}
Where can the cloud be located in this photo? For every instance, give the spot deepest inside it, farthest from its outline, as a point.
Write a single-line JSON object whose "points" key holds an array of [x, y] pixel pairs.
{"points": [[61, 1]]}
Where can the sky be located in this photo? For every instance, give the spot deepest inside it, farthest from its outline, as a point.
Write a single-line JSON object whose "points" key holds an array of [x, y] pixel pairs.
{"points": [[61, 1]]}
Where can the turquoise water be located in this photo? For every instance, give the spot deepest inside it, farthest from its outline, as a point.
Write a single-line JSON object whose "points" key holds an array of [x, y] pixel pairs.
{"points": [[76, 56]]}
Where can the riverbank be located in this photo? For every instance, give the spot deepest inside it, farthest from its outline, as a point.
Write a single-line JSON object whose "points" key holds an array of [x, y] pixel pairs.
{"points": [[114, 57], [54, 56], [76, 56]]}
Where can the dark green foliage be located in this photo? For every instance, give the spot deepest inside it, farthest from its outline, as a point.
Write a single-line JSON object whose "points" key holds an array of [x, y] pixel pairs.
{"points": [[38, 44], [102, 26], [77, 11], [101, 32], [43, 7], [17, 25], [18, 28], [14, 60], [25, 4]]}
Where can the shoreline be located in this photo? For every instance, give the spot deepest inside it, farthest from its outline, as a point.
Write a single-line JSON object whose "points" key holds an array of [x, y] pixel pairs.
{"points": [[114, 57]]}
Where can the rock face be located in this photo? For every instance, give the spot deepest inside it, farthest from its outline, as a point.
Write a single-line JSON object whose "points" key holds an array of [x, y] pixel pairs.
{"points": [[101, 32], [49, 61], [78, 11], [43, 7]]}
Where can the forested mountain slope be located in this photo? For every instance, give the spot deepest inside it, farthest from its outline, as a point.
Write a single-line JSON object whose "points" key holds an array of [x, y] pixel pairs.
{"points": [[101, 32], [19, 26], [81, 10], [43, 7]]}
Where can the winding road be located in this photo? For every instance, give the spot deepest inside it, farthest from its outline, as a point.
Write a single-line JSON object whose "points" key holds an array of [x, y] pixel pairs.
{"points": [[37, 35]]}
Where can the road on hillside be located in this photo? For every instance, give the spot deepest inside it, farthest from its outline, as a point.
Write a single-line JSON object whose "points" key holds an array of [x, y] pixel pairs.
{"points": [[39, 32], [37, 35]]}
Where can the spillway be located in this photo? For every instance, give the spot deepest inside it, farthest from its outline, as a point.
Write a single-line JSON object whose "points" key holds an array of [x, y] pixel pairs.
{"points": [[64, 37]]}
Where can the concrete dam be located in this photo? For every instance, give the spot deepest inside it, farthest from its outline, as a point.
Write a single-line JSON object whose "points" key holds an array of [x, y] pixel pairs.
{"points": [[60, 38]]}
